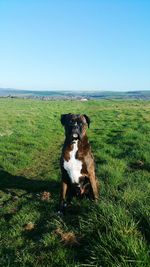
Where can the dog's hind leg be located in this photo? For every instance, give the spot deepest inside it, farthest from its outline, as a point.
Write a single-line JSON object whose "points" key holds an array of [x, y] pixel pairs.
{"points": [[94, 185]]}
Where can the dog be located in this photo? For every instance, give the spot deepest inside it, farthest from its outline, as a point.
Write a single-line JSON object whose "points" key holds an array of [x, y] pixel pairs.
{"points": [[77, 162]]}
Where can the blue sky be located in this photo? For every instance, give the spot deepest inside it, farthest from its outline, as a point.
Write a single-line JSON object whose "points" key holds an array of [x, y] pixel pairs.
{"points": [[75, 44]]}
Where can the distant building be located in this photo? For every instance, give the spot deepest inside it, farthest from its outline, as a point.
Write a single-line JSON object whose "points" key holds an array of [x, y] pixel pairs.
{"points": [[84, 99]]}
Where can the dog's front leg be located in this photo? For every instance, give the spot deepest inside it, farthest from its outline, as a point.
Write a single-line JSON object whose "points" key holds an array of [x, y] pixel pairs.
{"points": [[62, 204]]}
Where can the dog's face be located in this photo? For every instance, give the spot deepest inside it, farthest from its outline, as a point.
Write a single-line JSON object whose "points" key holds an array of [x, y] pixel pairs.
{"points": [[75, 125]]}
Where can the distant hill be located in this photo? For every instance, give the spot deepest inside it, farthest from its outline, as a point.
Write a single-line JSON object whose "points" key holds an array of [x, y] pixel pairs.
{"points": [[48, 95]]}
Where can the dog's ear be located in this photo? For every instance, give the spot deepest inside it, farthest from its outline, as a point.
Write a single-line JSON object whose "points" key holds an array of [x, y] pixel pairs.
{"points": [[64, 118], [88, 121]]}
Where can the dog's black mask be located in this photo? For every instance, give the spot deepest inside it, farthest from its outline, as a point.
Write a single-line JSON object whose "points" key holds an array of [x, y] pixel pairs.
{"points": [[75, 125]]}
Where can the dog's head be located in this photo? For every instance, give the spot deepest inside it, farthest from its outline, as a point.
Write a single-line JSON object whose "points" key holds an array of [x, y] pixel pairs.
{"points": [[75, 125]]}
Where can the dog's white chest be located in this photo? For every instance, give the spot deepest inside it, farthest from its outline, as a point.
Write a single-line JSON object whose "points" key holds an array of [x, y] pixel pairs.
{"points": [[73, 166]]}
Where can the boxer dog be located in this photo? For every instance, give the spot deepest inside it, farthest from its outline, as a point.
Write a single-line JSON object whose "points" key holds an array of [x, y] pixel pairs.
{"points": [[77, 162]]}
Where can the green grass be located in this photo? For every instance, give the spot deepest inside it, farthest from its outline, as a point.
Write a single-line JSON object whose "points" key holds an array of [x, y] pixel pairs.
{"points": [[115, 232]]}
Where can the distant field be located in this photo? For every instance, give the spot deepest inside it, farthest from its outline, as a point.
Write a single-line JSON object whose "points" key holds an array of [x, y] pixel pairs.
{"points": [[74, 94], [113, 233]]}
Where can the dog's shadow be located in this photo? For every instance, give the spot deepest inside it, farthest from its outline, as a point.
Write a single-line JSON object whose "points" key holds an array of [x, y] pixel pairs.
{"points": [[47, 209], [18, 187], [9, 181]]}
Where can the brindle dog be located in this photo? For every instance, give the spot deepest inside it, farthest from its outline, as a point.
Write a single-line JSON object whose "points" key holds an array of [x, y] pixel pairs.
{"points": [[77, 162]]}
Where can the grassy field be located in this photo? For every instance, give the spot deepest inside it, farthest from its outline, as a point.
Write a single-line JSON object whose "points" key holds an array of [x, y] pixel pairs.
{"points": [[114, 232]]}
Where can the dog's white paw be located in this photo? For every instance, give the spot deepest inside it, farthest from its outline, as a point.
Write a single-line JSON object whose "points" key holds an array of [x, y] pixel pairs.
{"points": [[60, 213]]}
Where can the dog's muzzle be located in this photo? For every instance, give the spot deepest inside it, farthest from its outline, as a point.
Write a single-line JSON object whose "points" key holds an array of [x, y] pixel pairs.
{"points": [[75, 132]]}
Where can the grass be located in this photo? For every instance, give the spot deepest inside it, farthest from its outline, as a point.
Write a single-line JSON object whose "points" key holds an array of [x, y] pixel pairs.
{"points": [[115, 232]]}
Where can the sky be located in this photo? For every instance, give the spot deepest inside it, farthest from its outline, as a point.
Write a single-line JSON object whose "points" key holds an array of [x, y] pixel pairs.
{"points": [[75, 44]]}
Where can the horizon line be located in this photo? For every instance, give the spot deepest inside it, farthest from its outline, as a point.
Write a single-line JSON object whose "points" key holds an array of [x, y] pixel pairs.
{"points": [[74, 90]]}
